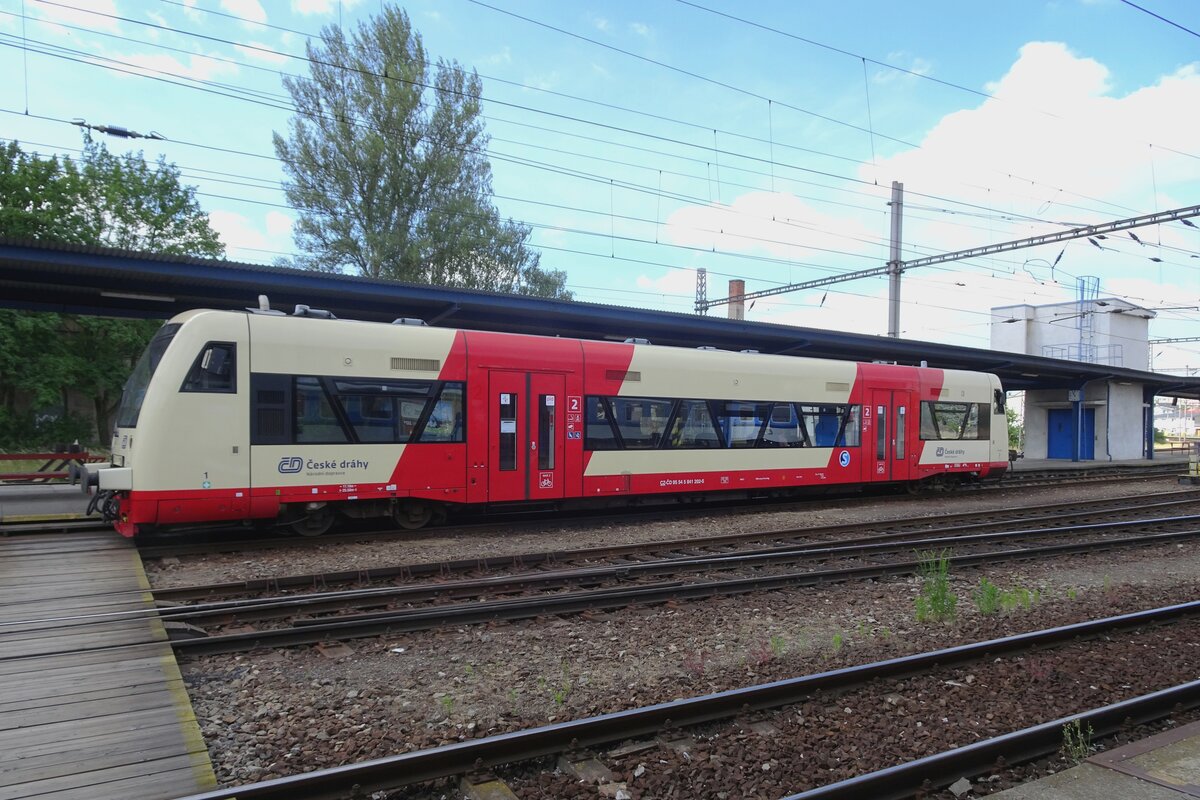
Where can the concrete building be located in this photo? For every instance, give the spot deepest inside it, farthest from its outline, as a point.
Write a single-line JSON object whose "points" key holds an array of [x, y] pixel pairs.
{"points": [[1103, 418]]}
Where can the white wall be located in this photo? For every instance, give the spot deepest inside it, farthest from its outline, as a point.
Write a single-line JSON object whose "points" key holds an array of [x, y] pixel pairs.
{"points": [[1118, 419]]}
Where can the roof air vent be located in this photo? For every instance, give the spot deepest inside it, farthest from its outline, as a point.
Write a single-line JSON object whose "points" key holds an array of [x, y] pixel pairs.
{"points": [[636, 340], [706, 347], [314, 313], [409, 321], [752, 352], [264, 307]]}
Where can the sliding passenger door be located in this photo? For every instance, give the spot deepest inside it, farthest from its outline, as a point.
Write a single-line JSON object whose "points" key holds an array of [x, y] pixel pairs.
{"points": [[546, 436], [890, 434], [526, 435]]}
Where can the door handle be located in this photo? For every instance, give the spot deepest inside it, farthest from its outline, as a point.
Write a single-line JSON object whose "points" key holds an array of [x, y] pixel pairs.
{"points": [[533, 445]]}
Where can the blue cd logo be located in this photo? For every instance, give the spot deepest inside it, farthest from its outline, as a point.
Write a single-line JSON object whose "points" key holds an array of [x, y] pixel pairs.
{"points": [[844, 458]]}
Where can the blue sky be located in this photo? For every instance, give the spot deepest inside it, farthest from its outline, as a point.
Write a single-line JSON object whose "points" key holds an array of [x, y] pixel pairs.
{"points": [[643, 140]]}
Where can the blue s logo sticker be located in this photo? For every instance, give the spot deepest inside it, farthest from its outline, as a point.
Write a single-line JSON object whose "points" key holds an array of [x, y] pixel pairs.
{"points": [[291, 464], [844, 458]]}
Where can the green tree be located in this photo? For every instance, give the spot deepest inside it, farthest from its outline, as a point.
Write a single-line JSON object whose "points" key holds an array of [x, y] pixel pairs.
{"points": [[101, 199], [1016, 431], [387, 167]]}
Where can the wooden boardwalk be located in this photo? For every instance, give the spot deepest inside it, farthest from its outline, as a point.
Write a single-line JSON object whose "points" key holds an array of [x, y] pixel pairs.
{"points": [[92, 704]]}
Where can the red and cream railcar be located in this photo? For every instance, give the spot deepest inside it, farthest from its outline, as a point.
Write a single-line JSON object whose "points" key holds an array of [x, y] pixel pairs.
{"points": [[235, 417]]}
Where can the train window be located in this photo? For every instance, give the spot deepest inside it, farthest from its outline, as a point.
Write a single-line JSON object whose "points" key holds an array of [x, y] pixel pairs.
{"points": [[508, 431], [139, 380], [546, 431], [315, 420], [271, 416], [445, 421], [741, 422], [373, 417], [999, 398], [830, 425], [952, 421], [600, 434], [785, 428], [214, 370], [880, 433], [850, 434], [640, 421], [693, 428], [899, 454]]}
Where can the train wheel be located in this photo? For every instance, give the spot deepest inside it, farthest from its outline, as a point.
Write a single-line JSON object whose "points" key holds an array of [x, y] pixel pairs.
{"points": [[316, 523], [412, 514]]}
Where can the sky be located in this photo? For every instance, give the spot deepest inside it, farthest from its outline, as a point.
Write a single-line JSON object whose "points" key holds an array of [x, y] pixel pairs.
{"points": [[641, 141]]}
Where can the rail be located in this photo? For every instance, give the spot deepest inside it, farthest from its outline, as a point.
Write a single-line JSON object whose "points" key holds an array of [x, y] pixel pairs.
{"points": [[392, 772]]}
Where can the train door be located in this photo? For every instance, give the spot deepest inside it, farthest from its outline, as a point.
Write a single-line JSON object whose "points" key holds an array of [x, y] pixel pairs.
{"points": [[890, 436], [525, 436], [546, 436]]}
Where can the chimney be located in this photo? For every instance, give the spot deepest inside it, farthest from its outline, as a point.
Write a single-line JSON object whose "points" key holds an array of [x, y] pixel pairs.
{"points": [[737, 305]]}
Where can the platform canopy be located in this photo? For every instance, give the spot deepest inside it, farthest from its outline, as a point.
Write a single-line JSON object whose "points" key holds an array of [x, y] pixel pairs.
{"points": [[110, 282]]}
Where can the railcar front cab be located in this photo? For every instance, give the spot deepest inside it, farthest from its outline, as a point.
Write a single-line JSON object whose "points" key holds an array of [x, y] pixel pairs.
{"points": [[183, 396]]}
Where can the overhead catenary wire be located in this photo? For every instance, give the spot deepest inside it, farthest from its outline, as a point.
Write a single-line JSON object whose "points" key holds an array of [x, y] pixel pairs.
{"points": [[263, 49]]}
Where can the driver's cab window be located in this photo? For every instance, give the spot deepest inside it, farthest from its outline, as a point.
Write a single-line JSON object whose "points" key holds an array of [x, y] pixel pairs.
{"points": [[214, 370]]}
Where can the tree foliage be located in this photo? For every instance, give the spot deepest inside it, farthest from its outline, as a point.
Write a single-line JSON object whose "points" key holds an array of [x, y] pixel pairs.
{"points": [[388, 170], [101, 199]]}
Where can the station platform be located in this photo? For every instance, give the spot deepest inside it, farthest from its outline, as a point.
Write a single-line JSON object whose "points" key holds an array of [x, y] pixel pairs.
{"points": [[39, 503], [89, 708], [1042, 464], [1162, 767]]}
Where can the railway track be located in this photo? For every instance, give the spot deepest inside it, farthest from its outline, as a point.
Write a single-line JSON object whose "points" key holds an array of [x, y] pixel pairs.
{"points": [[236, 540], [946, 524], [802, 753], [305, 630], [826, 555]]}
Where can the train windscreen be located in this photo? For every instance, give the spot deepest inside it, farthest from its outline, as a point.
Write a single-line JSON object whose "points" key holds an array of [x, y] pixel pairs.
{"points": [[139, 380]]}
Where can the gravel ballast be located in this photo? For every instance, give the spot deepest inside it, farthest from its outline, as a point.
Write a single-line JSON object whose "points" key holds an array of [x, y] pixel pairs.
{"points": [[282, 712]]}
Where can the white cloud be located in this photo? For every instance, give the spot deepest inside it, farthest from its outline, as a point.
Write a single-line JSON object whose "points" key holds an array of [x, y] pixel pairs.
{"points": [[543, 81], [279, 224], [1085, 140], [502, 57], [600, 23], [198, 67], [249, 10], [309, 7], [262, 52], [241, 233], [79, 14], [771, 223], [191, 12], [640, 28], [914, 64]]}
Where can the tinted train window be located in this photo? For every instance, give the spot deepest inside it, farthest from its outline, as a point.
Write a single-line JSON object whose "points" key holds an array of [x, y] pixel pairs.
{"points": [[831, 425], [316, 422], [693, 428], [445, 422], [952, 421], [741, 422], [214, 370], [635, 423], [641, 422], [599, 434], [139, 379]]}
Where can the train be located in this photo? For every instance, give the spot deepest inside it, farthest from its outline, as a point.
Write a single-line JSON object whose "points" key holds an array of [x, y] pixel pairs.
{"points": [[298, 420]]}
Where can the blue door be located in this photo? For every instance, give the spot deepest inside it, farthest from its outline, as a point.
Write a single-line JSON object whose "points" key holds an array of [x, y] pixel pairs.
{"points": [[1061, 434], [1061, 442], [1087, 449]]}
